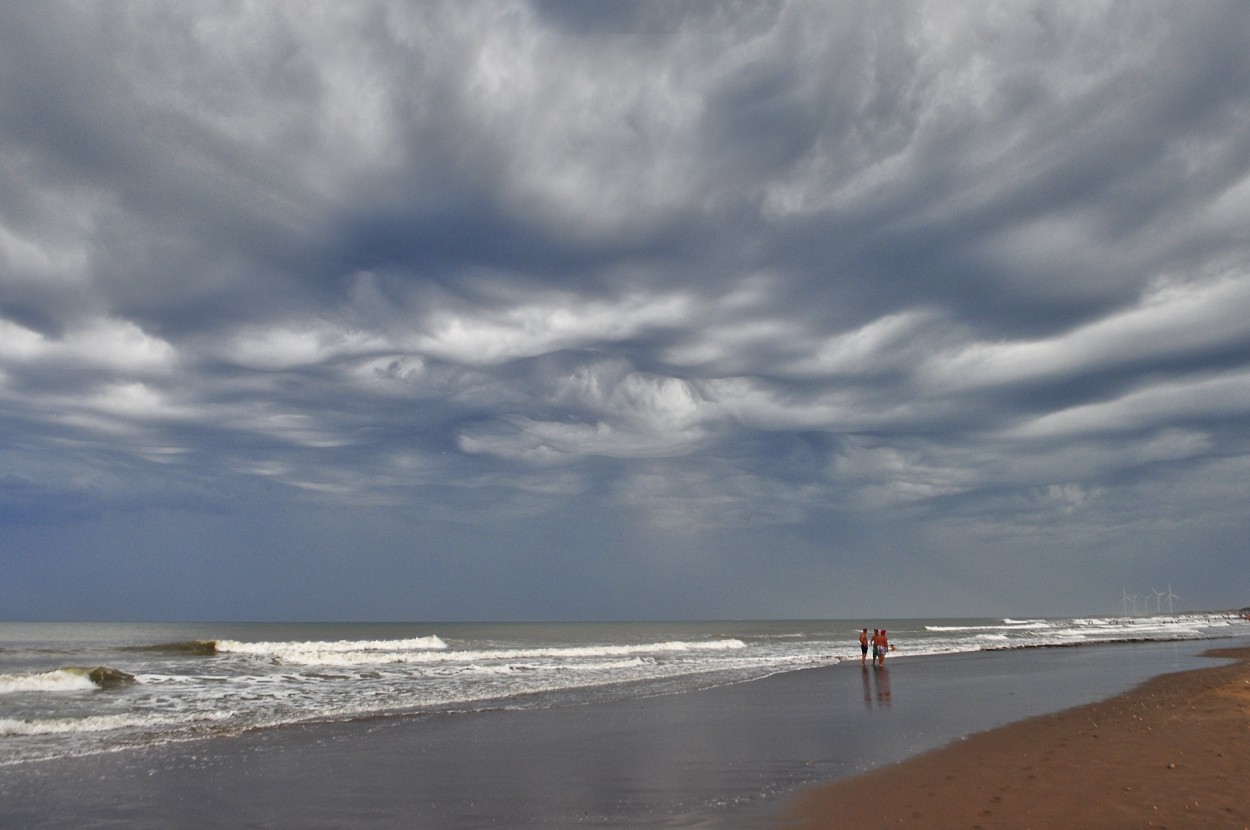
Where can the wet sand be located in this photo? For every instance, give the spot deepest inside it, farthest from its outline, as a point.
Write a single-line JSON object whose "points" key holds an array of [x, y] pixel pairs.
{"points": [[1173, 753]]}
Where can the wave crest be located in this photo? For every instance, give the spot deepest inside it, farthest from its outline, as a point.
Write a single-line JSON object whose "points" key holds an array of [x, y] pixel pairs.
{"points": [[104, 723], [433, 650], [205, 647], [66, 679], [268, 648]]}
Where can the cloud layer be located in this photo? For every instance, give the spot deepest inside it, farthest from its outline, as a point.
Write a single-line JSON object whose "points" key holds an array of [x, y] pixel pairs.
{"points": [[769, 290]]}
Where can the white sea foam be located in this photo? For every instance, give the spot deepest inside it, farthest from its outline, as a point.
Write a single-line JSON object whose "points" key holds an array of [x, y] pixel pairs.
{"points": [[964, 627], [1008, 625], [103, 723], [581, 666], [401, 652], [59, 680], [357, 646]]}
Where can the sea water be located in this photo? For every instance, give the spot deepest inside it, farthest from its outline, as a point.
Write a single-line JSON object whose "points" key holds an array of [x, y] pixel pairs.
{"points": [[72, 689]]}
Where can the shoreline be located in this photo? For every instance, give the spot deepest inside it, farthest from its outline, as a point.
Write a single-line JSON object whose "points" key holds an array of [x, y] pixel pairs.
{"points": [[731, 756], [1173, 752]]}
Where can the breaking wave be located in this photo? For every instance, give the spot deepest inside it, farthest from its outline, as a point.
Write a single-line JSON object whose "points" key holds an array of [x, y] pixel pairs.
{"points": [[66, 679], [1011, 633], [266, 648], [205, 647], [102, 723], [1006, 625], [432, 650]]}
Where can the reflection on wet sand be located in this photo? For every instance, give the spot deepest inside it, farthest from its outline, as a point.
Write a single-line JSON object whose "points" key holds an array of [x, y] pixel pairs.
{"points": [[876, 685]]}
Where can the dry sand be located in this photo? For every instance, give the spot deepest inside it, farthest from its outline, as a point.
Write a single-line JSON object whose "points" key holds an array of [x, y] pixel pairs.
{"points": [[1174, 753]]}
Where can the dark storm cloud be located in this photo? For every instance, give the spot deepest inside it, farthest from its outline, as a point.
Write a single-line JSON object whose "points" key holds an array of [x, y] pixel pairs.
{"points": [[694, 269]]}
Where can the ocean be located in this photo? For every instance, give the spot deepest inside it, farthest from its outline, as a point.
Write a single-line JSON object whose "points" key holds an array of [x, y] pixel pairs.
{"points": [[77, 689]]}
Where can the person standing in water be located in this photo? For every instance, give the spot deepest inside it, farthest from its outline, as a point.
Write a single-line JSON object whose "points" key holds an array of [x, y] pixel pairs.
{"points": [[863, 647], [881, 645]]}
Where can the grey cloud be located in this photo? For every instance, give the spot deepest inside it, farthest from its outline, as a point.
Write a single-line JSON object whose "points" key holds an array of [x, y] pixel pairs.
{"points": [[689, 268]]}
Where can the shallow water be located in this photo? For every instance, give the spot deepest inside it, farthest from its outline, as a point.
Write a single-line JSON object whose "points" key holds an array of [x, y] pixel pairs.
{"points": [[724, 757], [191, 681]]}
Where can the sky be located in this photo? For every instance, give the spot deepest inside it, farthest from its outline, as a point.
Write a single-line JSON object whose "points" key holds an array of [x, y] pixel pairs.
{"points": [[636, 310]]}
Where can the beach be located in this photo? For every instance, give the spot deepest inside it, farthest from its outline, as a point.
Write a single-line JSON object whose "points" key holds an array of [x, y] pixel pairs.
{"points": [[741, 755], [1172, 753]]}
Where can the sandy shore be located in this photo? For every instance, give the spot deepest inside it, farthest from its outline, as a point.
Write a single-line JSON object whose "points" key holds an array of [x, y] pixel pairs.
{"points": [[1173, 753]]}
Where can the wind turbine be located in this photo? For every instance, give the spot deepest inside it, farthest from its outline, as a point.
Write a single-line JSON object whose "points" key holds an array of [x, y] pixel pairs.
{"points": [[1124, 591], [1134, 599], [1171, 596], [1158, 600]]}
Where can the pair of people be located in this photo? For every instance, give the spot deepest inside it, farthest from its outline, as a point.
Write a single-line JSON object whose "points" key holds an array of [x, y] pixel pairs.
{"points": [[880, 646]]}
